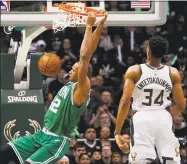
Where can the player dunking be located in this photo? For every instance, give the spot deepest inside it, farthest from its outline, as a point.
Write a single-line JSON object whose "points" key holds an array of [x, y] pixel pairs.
{"points": [[52, 142], [150, 85]]}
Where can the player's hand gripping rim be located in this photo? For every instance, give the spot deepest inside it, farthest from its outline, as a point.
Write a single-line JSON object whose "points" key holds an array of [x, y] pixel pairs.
{"points": [[91, 19], [105, 16]]}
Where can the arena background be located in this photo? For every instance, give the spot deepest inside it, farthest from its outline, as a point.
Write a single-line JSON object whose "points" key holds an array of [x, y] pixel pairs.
{"points": [[107, 82]]}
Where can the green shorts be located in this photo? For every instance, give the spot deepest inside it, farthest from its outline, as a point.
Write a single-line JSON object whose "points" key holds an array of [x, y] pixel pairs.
{"points": [[40, 148]]}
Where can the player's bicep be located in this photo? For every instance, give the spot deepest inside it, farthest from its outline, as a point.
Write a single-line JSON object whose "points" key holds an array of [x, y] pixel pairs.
{"points": [[82, 73], [80, 94], [178, 95], [129, 85], [128, 90], [177, 92]]}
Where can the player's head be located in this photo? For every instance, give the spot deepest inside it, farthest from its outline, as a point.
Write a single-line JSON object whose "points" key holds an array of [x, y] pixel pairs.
{"points": [[158, 46], [74, 72]]}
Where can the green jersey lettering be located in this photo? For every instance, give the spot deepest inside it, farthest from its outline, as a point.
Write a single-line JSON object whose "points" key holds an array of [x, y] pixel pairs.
{"points": [[57, 101], [63, 116]]}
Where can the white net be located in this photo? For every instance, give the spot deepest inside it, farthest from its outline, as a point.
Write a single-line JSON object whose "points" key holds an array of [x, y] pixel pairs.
{"points": [[73, 17], [68, 20]]}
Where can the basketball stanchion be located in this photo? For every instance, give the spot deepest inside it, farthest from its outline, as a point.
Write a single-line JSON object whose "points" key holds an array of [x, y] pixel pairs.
{"points": [[22, 110]]}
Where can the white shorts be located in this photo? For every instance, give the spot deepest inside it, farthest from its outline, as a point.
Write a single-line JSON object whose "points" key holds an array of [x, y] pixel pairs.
{"points": [[150, 130]]}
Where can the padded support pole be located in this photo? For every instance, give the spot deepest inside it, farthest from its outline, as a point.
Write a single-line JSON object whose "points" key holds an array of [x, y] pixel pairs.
{"points": [[35, 79], [7, 71], [28, 34], [13, 46]]}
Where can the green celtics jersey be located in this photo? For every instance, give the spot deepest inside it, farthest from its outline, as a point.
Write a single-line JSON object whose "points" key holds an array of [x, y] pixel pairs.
{"points": [[63, 116]]}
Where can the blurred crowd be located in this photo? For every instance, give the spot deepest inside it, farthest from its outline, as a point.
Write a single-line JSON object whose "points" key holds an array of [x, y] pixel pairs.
{"points": [[117, 50]]}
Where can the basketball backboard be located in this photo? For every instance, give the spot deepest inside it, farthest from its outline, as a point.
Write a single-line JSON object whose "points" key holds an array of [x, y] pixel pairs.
{"points": [[32, 13]]}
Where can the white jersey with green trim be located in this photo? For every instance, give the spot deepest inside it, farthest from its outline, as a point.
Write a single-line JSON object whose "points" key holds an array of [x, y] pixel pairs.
{"points": [[153, 89]]}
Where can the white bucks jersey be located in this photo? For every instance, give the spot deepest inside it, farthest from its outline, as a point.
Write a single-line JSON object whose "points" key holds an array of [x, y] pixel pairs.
{"points": [[152, 91]]}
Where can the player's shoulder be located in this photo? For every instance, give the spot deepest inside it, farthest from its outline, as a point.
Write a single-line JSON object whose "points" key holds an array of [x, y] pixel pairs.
{"points": [[133, 72], [70, 83], [134, 69], [173, 70], [174, 74]]}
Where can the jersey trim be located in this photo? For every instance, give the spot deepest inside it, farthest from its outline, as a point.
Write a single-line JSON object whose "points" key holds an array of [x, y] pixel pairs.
{"points": [[72, 91], [135, 82], [52, 157], [140, 70], [170, 72], [158, 68], [132, 132]]}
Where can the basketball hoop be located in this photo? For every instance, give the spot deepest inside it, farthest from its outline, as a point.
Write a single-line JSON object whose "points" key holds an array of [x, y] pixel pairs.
{"points": [[73, 14]]}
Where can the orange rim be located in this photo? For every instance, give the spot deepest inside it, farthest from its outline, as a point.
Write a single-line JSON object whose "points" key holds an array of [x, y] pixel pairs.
{"points": [[68, 6]]}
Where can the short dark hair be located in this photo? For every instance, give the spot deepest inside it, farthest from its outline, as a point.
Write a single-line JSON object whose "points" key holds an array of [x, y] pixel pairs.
{"points": [[158, 46]]}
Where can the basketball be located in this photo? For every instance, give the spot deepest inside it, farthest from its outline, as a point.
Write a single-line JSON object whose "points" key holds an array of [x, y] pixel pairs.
{"points": [[49, 64]]}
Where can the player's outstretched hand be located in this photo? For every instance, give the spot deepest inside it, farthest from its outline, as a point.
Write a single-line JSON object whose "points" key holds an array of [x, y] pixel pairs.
{"points": [[122, 143], [90, 19], [105, 16]]}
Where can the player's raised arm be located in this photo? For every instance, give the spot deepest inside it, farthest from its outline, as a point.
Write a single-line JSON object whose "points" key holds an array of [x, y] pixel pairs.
{"points": [[177, 93], [97, 32], [88, 47], [94, 39]]}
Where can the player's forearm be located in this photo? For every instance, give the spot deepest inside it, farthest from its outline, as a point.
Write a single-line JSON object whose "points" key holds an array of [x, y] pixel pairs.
{"points": [[86, 43], [98, 30], [122, 115], [83, 70], [97, 33], [176, 110]]}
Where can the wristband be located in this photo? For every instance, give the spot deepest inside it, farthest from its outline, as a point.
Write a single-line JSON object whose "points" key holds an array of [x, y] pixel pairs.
{"points": [[116, 134]]}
